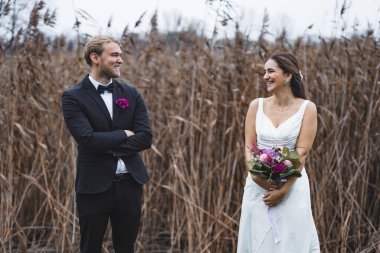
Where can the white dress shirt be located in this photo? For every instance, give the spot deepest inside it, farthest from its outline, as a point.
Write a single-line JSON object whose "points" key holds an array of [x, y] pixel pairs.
{"points": [[107, 98]]}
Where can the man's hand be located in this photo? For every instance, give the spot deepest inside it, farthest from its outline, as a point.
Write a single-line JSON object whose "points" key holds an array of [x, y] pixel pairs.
{"points": [[129, 133]]}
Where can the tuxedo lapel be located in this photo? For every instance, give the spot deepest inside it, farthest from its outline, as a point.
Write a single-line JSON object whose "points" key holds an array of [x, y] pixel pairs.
{"points": [[115, 96], [93, 93]]}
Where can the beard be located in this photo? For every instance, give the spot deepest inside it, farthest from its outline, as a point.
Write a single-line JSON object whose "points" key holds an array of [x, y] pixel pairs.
{"points": [[108, 72]]}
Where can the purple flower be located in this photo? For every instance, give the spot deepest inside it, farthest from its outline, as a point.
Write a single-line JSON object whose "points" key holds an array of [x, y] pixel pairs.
{"points": [[122, 103], [270, 152], [278, 168]]}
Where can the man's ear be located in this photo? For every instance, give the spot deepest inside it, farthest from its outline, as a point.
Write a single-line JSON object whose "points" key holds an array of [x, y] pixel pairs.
{"points": [[95, 58]]}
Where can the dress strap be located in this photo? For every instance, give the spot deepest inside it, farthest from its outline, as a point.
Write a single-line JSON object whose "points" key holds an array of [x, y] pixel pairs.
{"points": [[260, 109], [303, 107]]}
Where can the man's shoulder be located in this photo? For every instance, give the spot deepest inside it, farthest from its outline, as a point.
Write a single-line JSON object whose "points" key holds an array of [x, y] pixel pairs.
{"points": [[124, 84], [75, 88]]}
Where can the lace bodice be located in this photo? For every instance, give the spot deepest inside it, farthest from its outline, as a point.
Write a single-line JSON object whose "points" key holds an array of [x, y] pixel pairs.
{"points": [[285, 134]]}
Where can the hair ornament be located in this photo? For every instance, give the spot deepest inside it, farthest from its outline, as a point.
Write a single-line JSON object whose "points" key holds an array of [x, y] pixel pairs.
{"points": [[301, 75]]}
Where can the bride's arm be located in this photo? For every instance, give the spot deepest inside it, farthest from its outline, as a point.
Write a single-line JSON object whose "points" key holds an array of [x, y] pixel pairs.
{"points": [[250, 128], [305, 139], [250, 140], [304, 143]]}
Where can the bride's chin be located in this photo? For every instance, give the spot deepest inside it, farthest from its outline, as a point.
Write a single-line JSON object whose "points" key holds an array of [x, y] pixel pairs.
{"points": [[273, 88]]}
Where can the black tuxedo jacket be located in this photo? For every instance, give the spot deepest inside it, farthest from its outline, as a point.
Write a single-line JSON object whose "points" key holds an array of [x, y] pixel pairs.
{"points": [[102, 140]]}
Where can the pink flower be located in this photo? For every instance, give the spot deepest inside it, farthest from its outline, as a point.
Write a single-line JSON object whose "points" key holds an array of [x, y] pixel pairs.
{"points": [[288, 163], [122, 103], [263, 158]]}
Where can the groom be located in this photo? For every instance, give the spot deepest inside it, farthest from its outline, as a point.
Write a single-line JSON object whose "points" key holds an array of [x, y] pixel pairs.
{"points": [[110, 124]]}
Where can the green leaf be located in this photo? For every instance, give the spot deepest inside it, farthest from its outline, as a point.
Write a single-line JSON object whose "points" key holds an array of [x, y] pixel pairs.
{"points": [[297, 164], [258, 172], [293, 155], [254, 164], [295, 173], [266, 167], [285, 151]]}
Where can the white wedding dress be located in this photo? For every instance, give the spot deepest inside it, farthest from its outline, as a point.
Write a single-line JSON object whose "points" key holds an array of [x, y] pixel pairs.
{"points": [[287, 227]]}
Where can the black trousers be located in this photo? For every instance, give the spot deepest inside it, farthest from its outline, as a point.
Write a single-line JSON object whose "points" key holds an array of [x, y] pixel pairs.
{"points": [[122, 205]]}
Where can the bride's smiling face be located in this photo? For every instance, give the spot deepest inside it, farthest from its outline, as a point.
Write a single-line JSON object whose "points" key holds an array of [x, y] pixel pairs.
{"points": [[274, 77]]}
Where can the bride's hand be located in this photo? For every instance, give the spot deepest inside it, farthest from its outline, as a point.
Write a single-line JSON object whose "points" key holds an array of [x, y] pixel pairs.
{"points": [[273, 197], [263, 183]]}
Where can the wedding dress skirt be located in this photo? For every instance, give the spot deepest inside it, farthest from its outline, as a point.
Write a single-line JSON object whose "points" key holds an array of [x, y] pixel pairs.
{"points": [[287, 227]]}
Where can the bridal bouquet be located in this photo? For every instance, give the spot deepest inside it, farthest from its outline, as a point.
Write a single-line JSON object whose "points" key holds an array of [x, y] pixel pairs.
{"points": [[275, 164]]}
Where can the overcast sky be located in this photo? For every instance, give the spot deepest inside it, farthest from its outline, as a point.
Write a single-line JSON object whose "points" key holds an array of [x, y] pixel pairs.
{"points": [[294, 15]]}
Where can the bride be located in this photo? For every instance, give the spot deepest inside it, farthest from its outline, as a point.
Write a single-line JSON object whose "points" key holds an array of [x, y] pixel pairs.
{"points": [[279, 219]]}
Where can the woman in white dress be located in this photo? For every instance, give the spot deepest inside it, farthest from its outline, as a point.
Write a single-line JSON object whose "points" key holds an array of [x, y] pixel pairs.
{"points": [[279, 219]]}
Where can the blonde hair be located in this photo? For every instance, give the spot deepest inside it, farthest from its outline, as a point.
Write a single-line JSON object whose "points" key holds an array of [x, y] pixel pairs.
{"points": [[95, 45]]}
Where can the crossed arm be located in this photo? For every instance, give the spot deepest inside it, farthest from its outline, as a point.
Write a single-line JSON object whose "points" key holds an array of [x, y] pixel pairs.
{"points": [[119, 142], [141, 134]]}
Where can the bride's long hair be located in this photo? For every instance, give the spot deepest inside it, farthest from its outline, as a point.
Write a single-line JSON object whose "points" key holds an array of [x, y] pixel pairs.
{"points": [[289, 64]]}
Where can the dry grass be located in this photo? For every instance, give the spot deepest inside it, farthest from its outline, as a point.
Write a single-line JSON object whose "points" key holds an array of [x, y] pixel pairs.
{"points": [[198, 97]]}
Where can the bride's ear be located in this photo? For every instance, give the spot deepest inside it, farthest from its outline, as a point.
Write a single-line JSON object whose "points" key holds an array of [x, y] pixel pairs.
{"points": [[287, 79]]}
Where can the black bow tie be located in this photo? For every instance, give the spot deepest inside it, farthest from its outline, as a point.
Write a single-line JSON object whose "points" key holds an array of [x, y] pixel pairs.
{"points": [[102, 89]]}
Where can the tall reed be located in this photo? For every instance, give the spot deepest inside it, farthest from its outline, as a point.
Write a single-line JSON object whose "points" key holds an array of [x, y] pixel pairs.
{"points": [[197, 95]]}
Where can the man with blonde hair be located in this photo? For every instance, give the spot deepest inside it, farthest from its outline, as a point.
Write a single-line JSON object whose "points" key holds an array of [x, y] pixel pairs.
{"points": [[109, 121]]}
